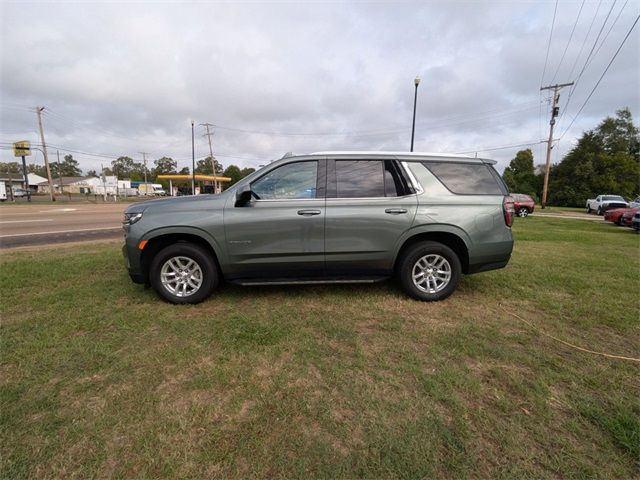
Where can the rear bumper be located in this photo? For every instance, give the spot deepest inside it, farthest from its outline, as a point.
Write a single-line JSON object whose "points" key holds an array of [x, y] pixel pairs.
{"points": [[491, 256], [489, 266]]}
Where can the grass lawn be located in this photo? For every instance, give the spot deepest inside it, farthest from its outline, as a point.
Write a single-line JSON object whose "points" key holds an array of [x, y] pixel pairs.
{"points": [[99, 378]]}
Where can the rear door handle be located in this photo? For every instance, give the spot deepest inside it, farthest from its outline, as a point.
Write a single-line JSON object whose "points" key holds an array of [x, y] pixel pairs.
{"points": [[395, 211], [309, 213]]}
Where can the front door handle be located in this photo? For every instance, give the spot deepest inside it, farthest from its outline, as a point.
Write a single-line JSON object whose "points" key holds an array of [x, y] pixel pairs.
{"points": [[395, 211], [309, 213]]}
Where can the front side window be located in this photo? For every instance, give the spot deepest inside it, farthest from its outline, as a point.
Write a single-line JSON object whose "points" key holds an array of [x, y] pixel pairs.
{"points": [[291, 181]]}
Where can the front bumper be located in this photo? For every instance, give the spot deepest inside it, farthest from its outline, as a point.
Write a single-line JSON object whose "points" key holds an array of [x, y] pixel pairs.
{"points": [[132, 260]]}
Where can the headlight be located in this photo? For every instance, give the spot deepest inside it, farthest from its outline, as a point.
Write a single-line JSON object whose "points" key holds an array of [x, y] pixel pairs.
{"points": [[131, 218]]}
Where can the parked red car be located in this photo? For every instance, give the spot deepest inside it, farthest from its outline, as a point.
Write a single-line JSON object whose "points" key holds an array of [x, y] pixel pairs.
{"points": [[627, 217], [616, 214], [523, 204]]}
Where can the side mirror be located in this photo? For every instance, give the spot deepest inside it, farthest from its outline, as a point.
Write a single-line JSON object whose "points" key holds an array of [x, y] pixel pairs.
{"points": [[243, 196]]}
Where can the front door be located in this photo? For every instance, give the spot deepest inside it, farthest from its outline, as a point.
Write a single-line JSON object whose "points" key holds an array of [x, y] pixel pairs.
{"points": [[280, 233], [370, 204]]}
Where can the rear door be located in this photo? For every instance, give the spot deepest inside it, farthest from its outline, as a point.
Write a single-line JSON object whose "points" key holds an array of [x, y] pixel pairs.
{"points": [[370, 204]]}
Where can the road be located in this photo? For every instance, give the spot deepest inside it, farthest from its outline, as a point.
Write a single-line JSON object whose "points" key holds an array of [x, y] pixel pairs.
{"points": [[22, 225]]}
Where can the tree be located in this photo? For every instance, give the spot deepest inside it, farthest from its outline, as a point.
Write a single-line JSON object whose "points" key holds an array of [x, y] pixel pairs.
{"points": [[92, 173], [164, 165], [67, 168], [247, 171], [11, 167], [519, 175], [184, 171], [125, 167], [605, 160], [234, 173], [204, 166], [37, 169]]}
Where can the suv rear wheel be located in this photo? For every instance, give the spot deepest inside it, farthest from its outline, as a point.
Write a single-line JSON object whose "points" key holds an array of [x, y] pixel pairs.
{"points": [[183, 273], [429, 271], [523, 212]]}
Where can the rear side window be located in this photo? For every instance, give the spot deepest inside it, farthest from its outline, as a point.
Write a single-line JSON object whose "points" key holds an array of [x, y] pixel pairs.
{"points": [[468, 178], [359, 178], [370, 178]]}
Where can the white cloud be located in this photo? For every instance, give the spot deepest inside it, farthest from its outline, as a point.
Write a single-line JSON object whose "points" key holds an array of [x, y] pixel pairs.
{"points": [[119, 78]]}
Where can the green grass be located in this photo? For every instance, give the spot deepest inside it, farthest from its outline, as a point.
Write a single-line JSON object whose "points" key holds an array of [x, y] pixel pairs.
{"points": [[99, 378]]}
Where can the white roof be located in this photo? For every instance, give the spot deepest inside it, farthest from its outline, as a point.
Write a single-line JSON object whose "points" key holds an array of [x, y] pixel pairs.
{"points": [[399, 154], [35, 179]]}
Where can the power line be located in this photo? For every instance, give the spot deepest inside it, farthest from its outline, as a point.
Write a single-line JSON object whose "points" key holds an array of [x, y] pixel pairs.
{"points": [[504, 147], [586, 62], [604, 39], [568, 42], [590, 57], [601, 76], [584, 42], [546, 58]]}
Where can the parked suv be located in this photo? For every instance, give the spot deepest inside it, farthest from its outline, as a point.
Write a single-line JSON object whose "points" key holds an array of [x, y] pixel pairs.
{"points": [[332, 217], [522, 204]]}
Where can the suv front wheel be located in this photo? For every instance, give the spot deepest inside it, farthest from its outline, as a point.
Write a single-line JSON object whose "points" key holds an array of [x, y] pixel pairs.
{"points": [[183, 273], [429, 271]]}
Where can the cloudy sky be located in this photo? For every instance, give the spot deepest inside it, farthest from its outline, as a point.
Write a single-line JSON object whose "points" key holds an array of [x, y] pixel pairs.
{"points": [[119, 78]]}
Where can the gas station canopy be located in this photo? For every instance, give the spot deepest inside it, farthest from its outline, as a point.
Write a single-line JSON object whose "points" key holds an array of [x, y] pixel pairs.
{"points": [[198, 178]]}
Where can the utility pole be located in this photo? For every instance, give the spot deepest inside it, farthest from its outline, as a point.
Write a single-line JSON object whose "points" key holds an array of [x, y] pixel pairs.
{"points": [[104, 184], [416, 82], [554, 113], [144, 162], [44, 152], [61, 187], [216, 186]]}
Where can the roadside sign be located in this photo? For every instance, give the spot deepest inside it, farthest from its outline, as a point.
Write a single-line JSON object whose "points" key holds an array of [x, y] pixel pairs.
{"points": [[22, 148]]}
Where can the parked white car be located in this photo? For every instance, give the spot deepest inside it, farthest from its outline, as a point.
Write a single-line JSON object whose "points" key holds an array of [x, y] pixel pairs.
{"points": [[3, 192], [635, 203], [602, 203]]}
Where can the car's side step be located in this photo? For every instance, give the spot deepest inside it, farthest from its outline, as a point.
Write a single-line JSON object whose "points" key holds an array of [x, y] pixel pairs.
{"points": [[308, 282]]}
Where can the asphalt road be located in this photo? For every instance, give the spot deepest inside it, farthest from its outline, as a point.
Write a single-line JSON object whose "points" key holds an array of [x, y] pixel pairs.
{"points": [[22, 225]]}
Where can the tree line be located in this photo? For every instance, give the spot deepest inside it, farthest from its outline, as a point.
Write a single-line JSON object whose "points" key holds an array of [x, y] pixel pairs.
{"points": [[605, 160], [126, 168]]}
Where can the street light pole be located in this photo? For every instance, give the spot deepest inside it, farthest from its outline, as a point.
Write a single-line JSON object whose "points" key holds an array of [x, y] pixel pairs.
{"points": [[415, 100], [193, 161]]}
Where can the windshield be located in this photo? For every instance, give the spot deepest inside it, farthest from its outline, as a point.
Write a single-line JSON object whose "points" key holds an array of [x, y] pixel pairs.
{"points": [[613, 197]]}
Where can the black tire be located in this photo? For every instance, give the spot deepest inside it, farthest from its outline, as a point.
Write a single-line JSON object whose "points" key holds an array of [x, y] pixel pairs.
{"points": [[599, 211], [210, 277], [409, 260], [588, 209], [523, 212]]}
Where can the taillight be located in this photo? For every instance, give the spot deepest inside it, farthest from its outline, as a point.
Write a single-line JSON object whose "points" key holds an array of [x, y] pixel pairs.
{"points": [[509, 211]]}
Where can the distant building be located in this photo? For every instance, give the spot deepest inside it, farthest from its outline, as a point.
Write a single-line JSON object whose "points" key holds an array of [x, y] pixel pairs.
{"points": [[69, 185], [16, 180], [34, 180]]}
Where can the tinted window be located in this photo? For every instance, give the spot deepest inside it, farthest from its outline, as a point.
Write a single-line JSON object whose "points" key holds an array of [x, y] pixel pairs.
{"points": [[466, 178], [611, 198], [360, 178], [294, 180]]}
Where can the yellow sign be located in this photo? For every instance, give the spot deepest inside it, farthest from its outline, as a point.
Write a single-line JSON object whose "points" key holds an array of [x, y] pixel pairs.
{"points": [[22, 148]]}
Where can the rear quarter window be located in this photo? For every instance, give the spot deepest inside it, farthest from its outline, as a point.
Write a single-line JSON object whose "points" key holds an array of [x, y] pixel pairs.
{"points": [[468, 178]]}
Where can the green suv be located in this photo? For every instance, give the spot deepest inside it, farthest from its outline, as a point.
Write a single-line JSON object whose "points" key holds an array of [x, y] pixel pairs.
{"points": [[330, 217]]}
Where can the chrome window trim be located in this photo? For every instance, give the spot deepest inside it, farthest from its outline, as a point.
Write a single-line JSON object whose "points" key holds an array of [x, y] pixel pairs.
{"points": [[370, 198], [254, 200], [416, 185]]}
